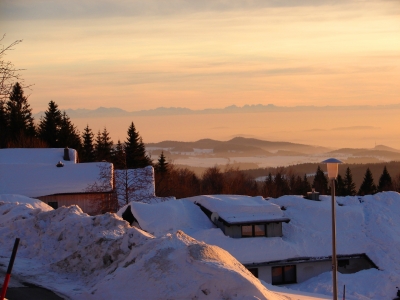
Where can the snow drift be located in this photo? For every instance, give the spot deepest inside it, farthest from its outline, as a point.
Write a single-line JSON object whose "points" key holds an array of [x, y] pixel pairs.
{"points": [[102, 257]]}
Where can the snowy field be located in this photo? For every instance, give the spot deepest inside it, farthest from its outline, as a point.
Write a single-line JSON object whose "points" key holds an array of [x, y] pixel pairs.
{"points": [[182, 257]]}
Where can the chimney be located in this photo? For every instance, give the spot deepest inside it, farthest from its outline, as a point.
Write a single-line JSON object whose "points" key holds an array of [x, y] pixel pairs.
{"points": [[66, 154]]}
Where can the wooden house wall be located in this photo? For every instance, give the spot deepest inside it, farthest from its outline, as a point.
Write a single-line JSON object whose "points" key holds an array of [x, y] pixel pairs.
{"points": [[90, 203]]}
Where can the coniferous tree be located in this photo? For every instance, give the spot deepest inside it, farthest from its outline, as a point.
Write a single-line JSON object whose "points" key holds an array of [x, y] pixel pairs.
{"points": [[306, 185], [320, 182], [349, 185], [281, 185], [119, 157], [367, 186], [68, 136], [162, 165], [87, 152], [103, 146], [50, 124], [3, 125], [19, 115], [269, 186], [385, 181], [339, 186], [136, 156]]}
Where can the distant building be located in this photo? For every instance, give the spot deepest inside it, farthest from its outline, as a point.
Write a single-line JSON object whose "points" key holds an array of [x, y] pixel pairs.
{"points": [[48, 175]]}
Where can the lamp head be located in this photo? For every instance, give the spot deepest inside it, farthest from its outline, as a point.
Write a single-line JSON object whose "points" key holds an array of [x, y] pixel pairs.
{"points": [[332, 166]]}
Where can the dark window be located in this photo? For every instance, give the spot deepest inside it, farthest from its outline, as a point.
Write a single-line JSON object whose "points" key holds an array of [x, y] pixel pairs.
{"points": [[284, 274], [259, 230], [254, 271], [253, 230], [343, 263], [53, 204], [247, 231]]}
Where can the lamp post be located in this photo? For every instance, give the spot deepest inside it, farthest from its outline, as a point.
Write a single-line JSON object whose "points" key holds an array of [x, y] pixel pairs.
{"points": [[332, 166]]}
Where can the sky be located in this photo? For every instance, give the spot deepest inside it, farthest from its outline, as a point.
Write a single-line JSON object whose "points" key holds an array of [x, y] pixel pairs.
{"points": [[205, 54], [138, 55]]}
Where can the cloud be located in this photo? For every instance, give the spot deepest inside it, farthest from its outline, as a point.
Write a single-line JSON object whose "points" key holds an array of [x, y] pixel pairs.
{"points": [[75, 9]]}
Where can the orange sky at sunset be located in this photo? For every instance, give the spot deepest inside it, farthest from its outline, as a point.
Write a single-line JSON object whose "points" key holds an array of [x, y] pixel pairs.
{"points": [[205, 54]]}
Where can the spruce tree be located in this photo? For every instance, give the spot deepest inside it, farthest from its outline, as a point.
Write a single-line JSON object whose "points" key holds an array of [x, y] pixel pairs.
{"points": [[104, 146], [162, 165], [349, 185], [19, 115], [269, 185], [50, 125], [68, 136], [136, 156], [87, 152], [3, 125], [306, 187], [339, 186], [385, 181], [367, 186], [320, 182], [119, 157]]}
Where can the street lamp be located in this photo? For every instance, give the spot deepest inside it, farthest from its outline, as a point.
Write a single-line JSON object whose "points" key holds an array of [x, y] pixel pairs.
{"points": [[332, 166]]}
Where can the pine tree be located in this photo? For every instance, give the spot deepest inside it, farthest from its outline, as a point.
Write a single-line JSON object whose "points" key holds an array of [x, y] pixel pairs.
{"points": [[339, 186], [3, 125], [50, 125], [68, 136], [281, 185], [87, 152], [385, 181], [349, 185], [269, 186], [162, 165], [320, 182], [104, 146], [19, 115], [136, 156], [119, 157], [306, 185], [367, 186]]}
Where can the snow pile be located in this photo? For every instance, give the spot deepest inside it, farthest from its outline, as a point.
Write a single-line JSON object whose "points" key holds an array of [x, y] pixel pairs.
{"points": [[168, 217], [102, 257], [36, 156], [35, 180], [366, 224], [236, 209]]}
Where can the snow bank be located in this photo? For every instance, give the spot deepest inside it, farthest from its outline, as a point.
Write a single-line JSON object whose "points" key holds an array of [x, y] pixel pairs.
{"points": [[236, 209], [36, 156], [34, 180], [102, 257], [170, 216]]}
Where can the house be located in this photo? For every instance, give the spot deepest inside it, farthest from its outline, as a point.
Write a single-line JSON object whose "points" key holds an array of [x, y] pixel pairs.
{"points": [[54, 176], [240, 217], [299, 251]]}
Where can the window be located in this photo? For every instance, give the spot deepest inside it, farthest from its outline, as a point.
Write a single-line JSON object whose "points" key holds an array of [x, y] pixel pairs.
{"points": [[247, 231], [253, 230], [254, 271], [284, 274], [53, 204]]}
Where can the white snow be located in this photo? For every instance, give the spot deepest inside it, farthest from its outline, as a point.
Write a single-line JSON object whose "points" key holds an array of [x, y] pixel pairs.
{"points": [[102, 257], [366, 224], [36, 156], [34, 180], [236, 209]]}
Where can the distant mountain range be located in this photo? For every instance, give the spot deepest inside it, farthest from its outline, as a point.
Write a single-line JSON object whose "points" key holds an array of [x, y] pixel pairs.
{"points": [[232, 109]]}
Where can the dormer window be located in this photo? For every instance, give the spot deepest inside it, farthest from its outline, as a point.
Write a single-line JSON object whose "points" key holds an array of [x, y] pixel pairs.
{"points": [[253, 230]]}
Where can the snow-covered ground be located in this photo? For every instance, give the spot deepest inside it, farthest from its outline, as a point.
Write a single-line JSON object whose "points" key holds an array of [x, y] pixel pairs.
{"points": [[182, 257], [102, 257], [366, 224]]}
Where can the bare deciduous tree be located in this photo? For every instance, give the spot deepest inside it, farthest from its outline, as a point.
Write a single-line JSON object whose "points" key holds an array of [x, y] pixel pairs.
{"points": [[9, 74]]}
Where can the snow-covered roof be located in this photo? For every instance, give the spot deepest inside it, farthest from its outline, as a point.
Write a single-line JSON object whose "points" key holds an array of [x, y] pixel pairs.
{"points": [[36, 156], [234, 209], [307, 235], [34, 180]]}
